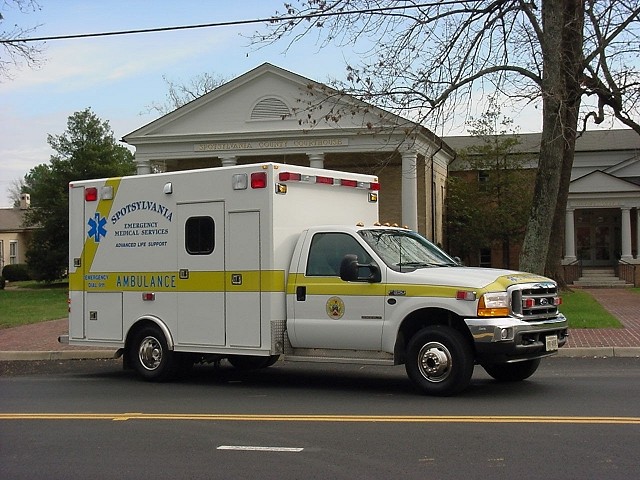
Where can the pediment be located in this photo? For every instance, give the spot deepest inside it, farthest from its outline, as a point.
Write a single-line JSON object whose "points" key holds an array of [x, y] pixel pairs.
{"points": [[265, 99], [626, 169], [601, 182]]}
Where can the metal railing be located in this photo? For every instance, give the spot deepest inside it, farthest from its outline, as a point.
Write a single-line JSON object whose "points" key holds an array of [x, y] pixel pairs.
{"points": [[628, 272]]}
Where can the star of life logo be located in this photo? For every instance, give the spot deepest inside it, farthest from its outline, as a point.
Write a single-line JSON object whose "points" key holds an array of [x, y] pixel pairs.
{"points": [[96, 227]]}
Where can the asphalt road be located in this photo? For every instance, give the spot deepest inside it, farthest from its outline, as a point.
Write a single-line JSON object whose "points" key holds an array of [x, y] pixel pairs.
{"points": [[575, 418]]}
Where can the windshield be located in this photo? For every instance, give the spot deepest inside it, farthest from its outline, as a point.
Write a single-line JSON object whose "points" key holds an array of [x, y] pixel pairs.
{"points": [[404, 250]]}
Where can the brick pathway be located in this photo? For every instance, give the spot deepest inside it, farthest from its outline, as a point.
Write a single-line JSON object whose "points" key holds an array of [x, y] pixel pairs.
{"points": [[624, 305], [37, 337]]}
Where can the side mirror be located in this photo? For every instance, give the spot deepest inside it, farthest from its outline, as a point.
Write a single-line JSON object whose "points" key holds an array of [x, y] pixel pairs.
{"points": [[352, 271]]}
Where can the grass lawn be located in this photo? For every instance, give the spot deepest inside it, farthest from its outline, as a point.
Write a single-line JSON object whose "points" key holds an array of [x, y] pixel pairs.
{"points": [[584, 312], [32, 302]]}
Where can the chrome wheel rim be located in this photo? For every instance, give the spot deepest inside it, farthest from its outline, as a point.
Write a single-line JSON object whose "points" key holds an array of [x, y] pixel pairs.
{"points": [[434, 362], [150, 353]]}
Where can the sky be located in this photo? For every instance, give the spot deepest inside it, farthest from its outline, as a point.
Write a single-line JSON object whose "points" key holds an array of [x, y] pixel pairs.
{"points": [[119, 77]]}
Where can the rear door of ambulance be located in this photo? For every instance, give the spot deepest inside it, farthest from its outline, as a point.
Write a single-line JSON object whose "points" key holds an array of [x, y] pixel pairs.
{"points": [[95, 311], [76, 265]]}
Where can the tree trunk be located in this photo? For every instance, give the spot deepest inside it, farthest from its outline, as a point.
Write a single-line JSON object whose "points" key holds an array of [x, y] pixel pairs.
{"points": [[536, 241], [562, 24], [573, 66]]}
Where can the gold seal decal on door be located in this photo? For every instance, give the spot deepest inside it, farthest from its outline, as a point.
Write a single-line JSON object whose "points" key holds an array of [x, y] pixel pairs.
{"points": [[335, 308]]}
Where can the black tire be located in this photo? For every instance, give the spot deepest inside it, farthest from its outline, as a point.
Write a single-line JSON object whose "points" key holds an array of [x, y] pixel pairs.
{"points": [[512, 372], [150, 357], [251, 362], [439, 361]]}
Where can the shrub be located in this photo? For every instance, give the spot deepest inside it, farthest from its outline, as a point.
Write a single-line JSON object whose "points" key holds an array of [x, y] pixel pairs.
{"points": [[3, 282], [16, 273]]}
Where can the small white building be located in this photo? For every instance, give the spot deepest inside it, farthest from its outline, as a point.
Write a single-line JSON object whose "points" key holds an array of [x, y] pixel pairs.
{"points": [[14, 235]]}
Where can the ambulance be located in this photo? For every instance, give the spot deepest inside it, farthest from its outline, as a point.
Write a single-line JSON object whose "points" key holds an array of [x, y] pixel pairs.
{"points": [[255, 263]]}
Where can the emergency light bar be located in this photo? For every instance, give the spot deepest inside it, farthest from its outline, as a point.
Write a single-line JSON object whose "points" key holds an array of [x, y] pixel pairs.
{"points": [[344, 182]]}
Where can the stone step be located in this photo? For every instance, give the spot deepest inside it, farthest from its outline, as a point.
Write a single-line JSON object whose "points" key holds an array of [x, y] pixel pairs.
{"points": [[599, 278], [615, 282], [598, 273]]}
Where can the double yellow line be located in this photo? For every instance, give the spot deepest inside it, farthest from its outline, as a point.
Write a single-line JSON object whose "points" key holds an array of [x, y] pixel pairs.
{"points": [[325, 418]]}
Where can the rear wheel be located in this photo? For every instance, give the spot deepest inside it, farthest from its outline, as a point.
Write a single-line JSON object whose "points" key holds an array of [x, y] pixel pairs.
{"points": [[512, 372], [439, 361], [150, 356]]}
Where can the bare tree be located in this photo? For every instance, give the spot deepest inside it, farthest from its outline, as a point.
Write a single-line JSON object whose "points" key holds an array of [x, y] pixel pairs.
{"points": [[15, 190], [14, 51], [428, 59], [179, 94]]}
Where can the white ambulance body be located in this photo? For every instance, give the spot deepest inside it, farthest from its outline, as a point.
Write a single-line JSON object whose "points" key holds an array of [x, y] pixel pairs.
{"points": [[255, 262]]}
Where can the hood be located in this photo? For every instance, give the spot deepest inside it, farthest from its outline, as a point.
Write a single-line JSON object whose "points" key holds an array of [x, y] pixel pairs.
{"points": [[489, 279]]}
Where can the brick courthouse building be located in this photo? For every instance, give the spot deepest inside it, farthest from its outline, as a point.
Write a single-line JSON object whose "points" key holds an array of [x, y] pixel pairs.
{"points": [[603, 209]]}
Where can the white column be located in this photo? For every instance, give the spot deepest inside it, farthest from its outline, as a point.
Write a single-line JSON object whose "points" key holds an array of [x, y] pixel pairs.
{"points": [[410, 190], [569, 237], [316, 160], [229, 160], [143, 167], [626, 234]]}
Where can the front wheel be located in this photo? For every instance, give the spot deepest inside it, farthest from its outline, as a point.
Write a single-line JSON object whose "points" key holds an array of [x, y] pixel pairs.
{"points": [[150, 356], [512, 372], [439, 361]]}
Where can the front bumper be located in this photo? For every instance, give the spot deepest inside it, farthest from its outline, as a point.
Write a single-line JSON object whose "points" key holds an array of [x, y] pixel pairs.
{"points": [[508, 339]]}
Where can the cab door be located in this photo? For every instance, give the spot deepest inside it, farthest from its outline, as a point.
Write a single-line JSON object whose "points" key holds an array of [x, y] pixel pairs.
{"points": [[330, 313]]}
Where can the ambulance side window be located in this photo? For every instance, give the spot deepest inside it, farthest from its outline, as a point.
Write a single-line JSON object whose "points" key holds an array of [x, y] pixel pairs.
{"points": [[199, 235]]}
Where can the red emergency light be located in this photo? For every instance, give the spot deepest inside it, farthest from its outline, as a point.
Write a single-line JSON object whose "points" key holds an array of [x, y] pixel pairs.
{"points": [[325, 180], [289, 176], [259, 180], [348, 183], [90, 194]]}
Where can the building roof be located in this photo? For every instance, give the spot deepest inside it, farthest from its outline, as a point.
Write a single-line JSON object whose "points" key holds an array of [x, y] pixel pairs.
{"points": [[12, 220], [589, 141]]}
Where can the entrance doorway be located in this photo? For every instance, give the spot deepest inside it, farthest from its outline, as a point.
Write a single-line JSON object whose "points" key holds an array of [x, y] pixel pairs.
{"points": [[598, 237]]}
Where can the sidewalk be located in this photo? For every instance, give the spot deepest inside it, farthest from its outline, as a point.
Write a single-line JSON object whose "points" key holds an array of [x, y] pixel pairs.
{"points": [[39, 341]]}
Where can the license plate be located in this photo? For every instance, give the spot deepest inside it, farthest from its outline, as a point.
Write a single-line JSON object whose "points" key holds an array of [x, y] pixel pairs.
{"points": [[551, 343]]}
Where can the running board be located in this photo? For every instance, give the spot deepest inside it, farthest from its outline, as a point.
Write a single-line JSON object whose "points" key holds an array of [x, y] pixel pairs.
{"points": [[339, 356]]}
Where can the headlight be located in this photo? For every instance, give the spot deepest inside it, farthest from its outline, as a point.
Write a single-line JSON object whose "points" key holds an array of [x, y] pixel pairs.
{"points": [[495, 304]]}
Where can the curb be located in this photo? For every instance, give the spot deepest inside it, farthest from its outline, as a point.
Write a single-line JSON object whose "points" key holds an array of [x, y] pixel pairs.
{"points": [[573, 352], [57, 355], [599, 352]]}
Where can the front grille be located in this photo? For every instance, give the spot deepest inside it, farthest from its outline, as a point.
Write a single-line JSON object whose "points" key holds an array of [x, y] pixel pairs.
{"points": [[532, 302]]}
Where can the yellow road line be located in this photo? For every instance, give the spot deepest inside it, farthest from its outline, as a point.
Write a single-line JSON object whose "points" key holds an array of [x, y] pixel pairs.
{"points": [[324, 418]]}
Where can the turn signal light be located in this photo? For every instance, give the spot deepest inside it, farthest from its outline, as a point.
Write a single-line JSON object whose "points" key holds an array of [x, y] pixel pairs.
{"points": [[493, 305]]}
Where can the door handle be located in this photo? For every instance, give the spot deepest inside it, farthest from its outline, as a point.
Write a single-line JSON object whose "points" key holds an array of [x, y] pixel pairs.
{"points": [[301, 294]]}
